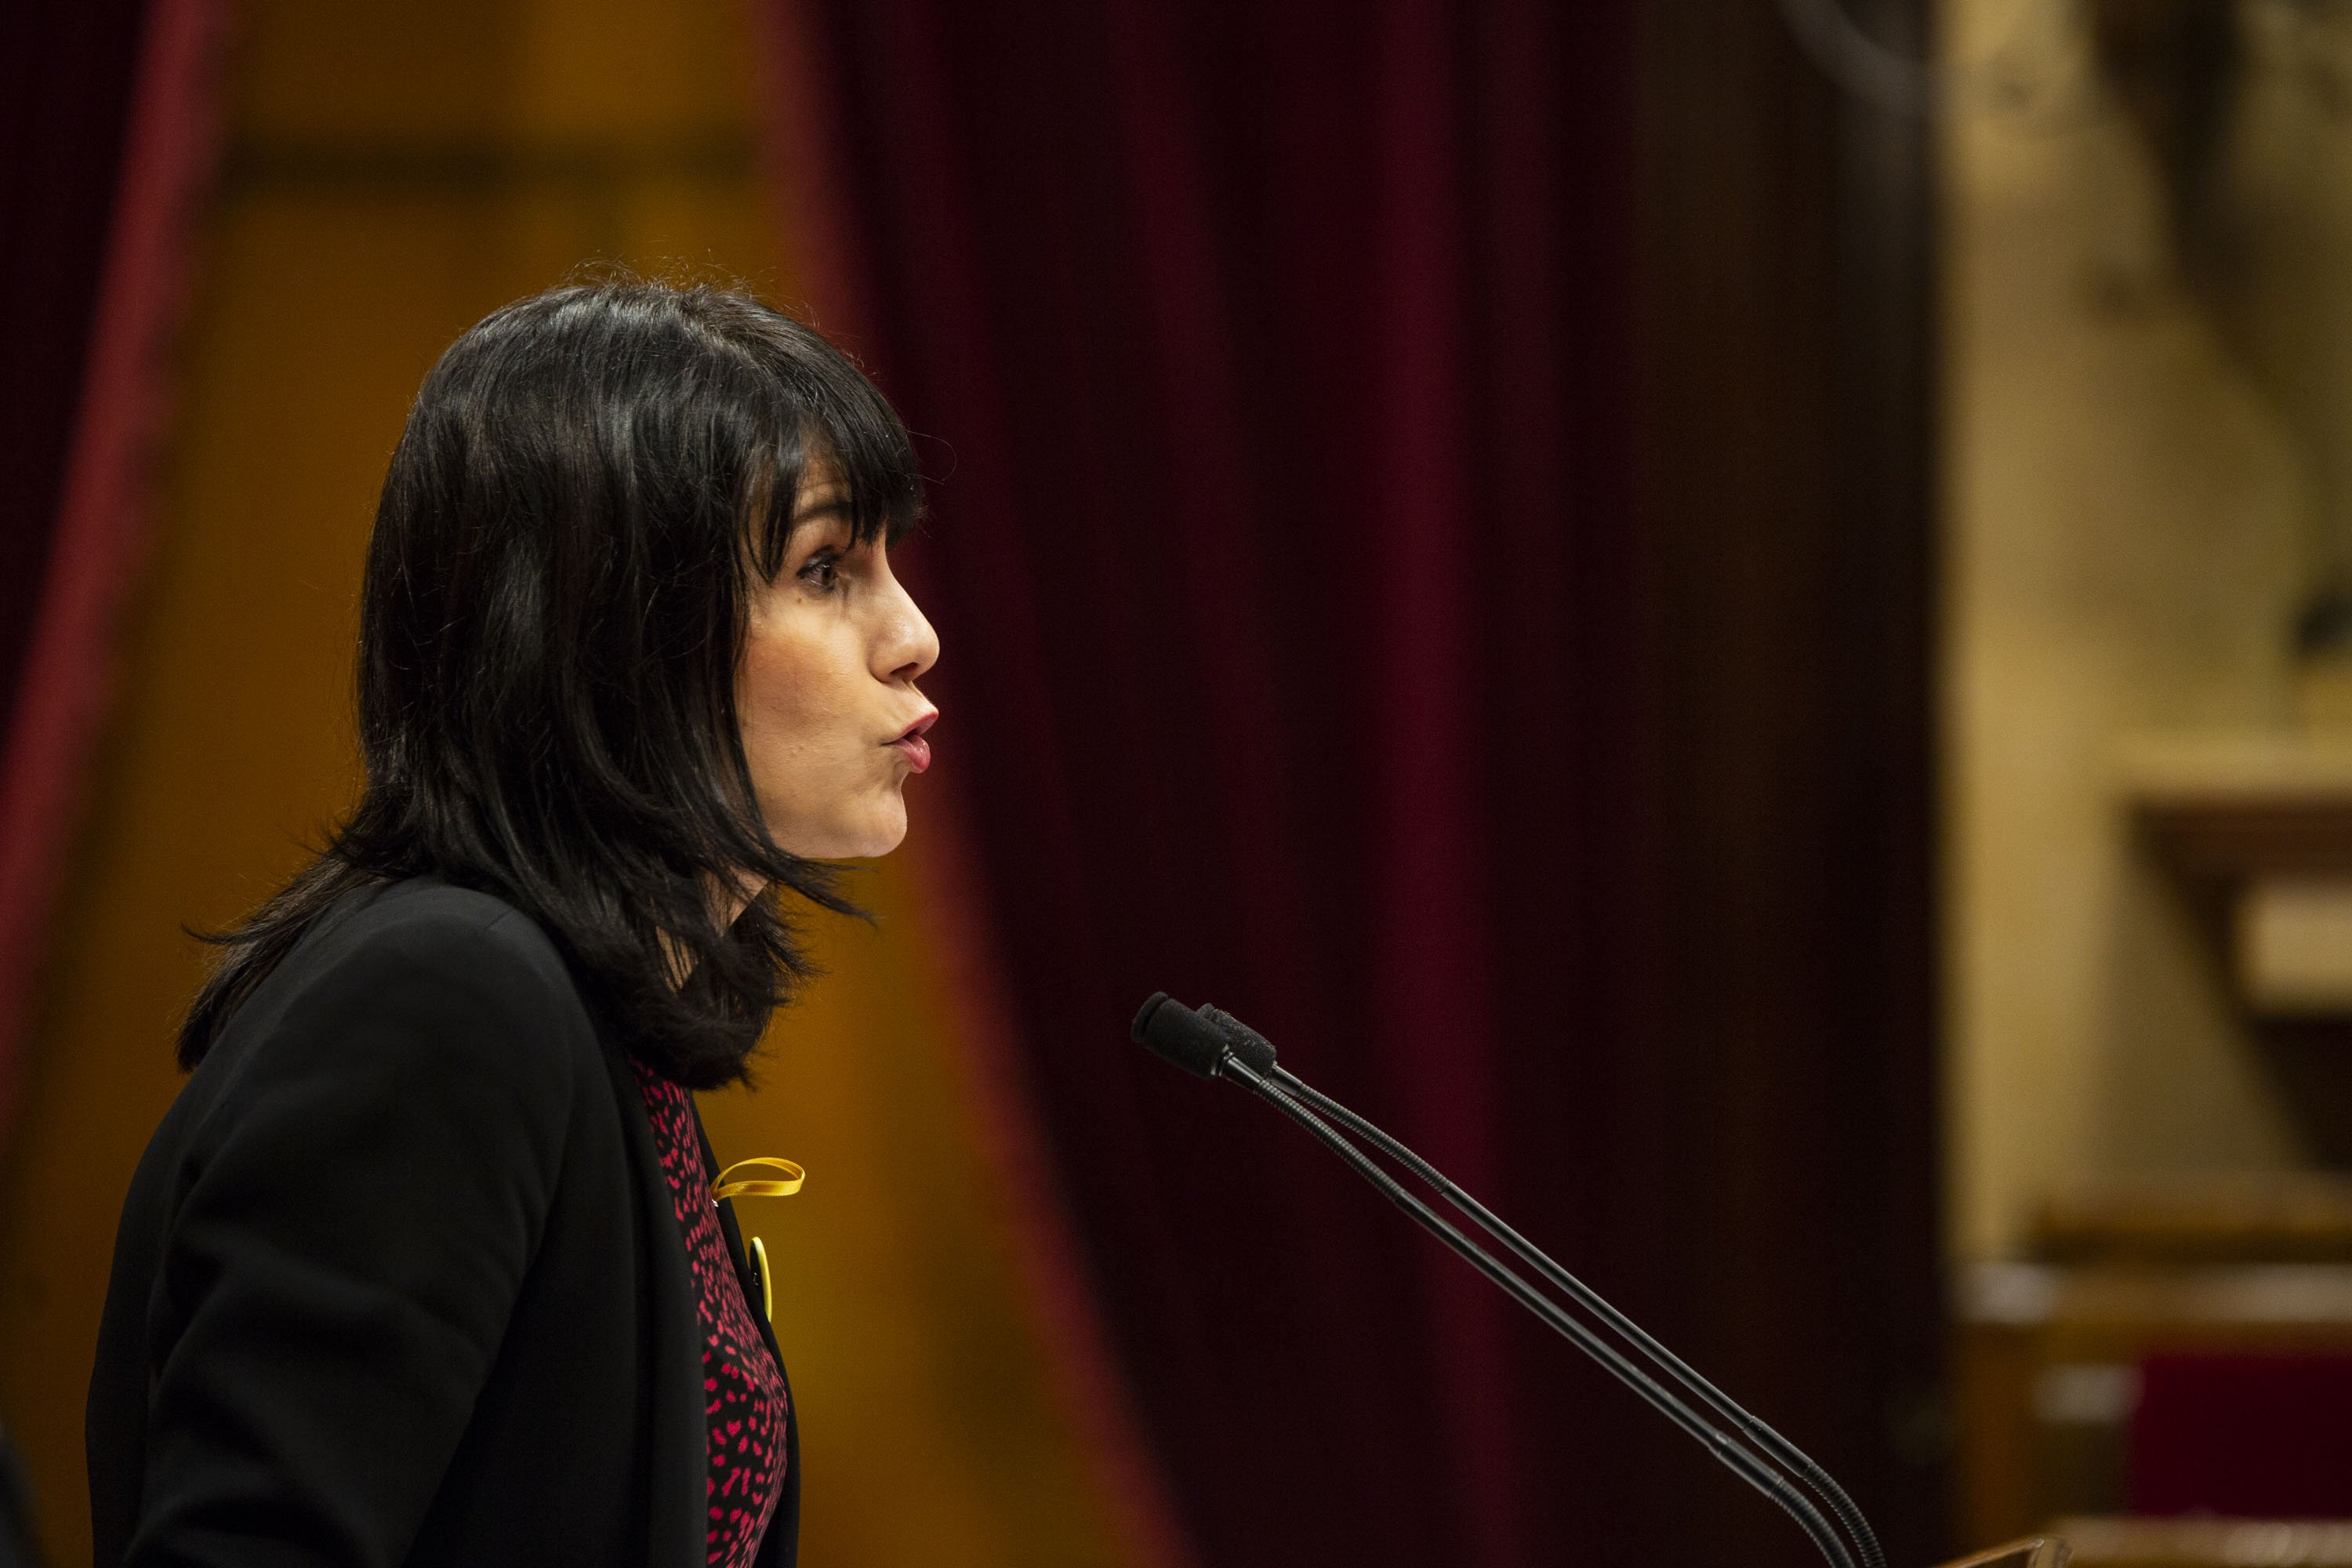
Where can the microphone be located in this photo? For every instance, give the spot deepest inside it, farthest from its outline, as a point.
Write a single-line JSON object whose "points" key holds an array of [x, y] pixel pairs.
{"points": [[1210, 1043], [1199, 1042]]}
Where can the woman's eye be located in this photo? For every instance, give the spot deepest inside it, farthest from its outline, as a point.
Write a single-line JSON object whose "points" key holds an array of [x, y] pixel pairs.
{"points": [[822, 572]]}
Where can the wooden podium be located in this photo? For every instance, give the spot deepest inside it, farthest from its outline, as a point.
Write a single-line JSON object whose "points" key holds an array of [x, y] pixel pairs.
{"points": [[2033, 1551]]}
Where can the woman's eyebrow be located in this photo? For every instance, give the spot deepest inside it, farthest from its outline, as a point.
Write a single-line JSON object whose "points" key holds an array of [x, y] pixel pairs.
{"points": [[820, 517]]}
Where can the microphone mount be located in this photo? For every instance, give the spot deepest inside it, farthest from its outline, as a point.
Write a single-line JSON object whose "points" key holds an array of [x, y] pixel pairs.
{"points": [[1210, 1043]]}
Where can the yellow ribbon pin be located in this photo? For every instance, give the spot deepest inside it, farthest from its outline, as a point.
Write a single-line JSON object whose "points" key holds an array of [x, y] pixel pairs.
{"points": [[728, 1185], [767, 1284]]}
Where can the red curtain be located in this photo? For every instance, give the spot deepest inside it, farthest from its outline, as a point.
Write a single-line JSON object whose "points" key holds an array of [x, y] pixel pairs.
{"points": [[65, 93], [107, 131], [1401, 579]]}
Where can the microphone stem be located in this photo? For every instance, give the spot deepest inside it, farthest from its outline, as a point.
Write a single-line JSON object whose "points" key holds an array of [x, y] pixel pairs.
{"points": [[1788, 1454], [1725, 1447]]}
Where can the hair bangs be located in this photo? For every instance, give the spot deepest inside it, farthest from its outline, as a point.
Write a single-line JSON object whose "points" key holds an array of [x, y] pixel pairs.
{"points": [[877, 460], [862, 437]]}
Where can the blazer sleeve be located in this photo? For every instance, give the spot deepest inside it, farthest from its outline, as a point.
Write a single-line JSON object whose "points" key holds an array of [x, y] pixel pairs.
{"points": [[359, 1210]]}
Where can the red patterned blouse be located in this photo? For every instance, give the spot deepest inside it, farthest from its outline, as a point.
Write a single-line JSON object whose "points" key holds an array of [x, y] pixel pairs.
{"points": [[739, 1379]]}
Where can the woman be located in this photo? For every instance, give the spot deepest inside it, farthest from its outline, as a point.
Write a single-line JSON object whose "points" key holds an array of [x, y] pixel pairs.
{"points": [[423, 1266]]}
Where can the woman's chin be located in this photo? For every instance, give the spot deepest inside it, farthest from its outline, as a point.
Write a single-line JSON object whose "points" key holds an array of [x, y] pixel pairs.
{"points": [[890, 835], [884, 830]]}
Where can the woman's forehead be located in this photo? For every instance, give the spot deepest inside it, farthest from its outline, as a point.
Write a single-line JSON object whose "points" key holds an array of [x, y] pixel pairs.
{"points": [[823, 484]]}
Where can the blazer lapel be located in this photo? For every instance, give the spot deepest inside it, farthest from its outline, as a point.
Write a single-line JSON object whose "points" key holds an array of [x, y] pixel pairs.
{"points": [[678, 1441]]}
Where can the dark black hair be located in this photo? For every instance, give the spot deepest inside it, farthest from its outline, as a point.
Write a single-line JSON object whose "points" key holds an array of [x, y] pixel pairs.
{"points": [[553, 615]]}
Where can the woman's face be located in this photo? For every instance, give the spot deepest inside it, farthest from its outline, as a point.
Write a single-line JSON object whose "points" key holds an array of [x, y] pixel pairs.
{"points": [[825, 696]]}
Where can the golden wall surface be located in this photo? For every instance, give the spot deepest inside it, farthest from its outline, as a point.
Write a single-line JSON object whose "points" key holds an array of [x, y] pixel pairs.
{"points": [[395, 172], [2124, 525]]}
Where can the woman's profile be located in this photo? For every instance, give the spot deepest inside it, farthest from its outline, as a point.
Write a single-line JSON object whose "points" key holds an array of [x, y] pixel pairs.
{"points": [[424, 1265]]}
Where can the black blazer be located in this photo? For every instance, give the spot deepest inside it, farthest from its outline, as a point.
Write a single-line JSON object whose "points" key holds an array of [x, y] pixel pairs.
{"points": [[399, 1279]]}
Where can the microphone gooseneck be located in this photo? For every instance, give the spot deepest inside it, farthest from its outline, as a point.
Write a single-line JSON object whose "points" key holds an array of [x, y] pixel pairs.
{"points": [[1779, 1448], [1211, 1043]]}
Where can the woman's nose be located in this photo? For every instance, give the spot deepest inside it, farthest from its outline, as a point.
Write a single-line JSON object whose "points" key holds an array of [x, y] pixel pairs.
{"points": [[913, 647]]}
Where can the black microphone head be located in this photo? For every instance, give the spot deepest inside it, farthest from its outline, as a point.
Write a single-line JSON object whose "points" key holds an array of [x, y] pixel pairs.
{"points": [[1173, 1032], [1254, 1049], [1151, 1004]]}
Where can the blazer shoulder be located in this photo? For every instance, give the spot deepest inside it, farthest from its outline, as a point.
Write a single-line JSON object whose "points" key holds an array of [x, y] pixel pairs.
{"points": [[428, 929], [430, 912], [438, 974]]}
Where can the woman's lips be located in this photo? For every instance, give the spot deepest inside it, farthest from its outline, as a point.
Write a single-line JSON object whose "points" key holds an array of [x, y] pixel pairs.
{"points": [[912, 746]]}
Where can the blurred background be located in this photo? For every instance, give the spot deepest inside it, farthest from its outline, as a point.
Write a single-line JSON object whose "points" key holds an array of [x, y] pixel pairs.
{"points": [[1734, 617]]}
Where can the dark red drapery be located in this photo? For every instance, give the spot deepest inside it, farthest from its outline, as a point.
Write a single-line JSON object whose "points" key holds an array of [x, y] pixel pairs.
{"points": [[1431, 556], [107, 139], [65, 91]]}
